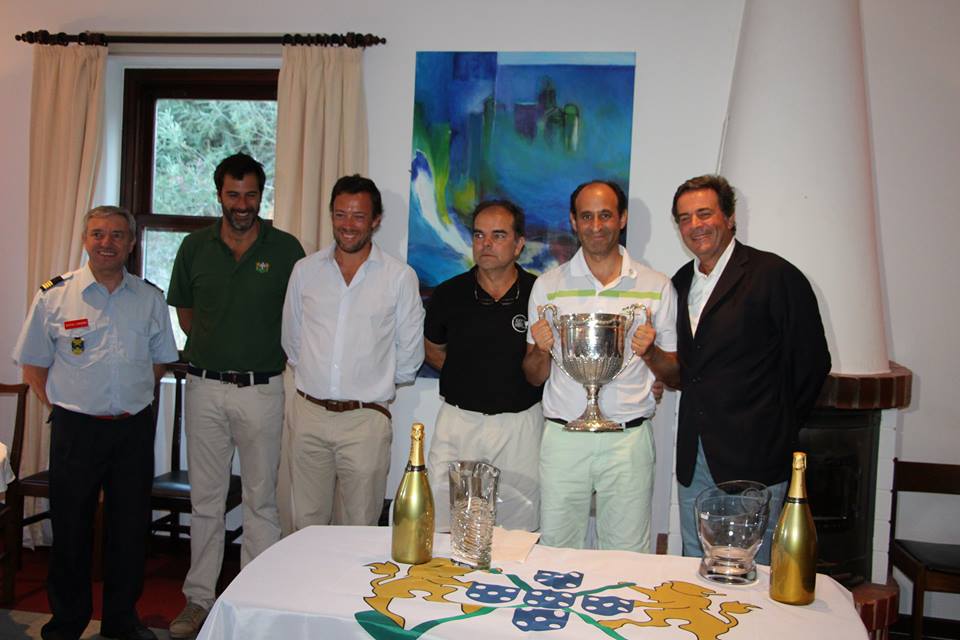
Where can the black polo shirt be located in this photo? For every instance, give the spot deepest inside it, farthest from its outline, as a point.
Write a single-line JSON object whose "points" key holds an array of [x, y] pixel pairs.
{"points": [[486, 341]]}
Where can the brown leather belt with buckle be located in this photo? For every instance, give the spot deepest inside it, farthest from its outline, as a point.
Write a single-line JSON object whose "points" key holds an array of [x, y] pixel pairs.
{"points": [[339, 406], [119, 416]]}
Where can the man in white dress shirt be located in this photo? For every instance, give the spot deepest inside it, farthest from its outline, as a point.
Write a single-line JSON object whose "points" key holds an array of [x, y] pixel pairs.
{"points": [[352, 331]]}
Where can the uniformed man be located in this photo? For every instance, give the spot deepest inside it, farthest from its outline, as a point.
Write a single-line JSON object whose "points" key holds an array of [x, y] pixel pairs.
{"points": [[94, 344], [228, 283], [475, 334]]}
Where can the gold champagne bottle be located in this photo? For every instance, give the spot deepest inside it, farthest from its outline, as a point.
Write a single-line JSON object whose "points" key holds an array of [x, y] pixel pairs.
{"points": [[793, 555], [413, 508]]}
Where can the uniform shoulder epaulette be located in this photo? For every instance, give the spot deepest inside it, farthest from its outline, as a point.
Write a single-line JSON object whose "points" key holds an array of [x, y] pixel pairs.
{"points": [[153, 285], [51, 283]]}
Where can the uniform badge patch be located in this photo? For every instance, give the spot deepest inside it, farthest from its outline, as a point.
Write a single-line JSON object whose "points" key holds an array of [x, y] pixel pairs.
{"points": [[76, 346], [519, 323], [262, 267]]}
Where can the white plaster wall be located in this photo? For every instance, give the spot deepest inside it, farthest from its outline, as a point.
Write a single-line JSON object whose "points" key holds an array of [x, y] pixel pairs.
{"points": [[685, 54], [913, 86]]}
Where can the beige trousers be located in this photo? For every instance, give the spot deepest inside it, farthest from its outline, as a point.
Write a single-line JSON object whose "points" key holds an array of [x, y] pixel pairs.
{"points": [[349, 451], [508, 441], [220, 418]]}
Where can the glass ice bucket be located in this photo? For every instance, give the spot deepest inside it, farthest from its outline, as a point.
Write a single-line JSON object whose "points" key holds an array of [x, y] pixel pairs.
{"points": [[731, 520]]}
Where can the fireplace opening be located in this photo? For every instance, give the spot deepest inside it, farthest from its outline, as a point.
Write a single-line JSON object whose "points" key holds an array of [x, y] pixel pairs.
{"points": [[841, 447]]}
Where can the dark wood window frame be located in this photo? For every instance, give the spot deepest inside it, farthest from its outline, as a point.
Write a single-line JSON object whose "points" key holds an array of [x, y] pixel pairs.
{"points": [[141, 90]]}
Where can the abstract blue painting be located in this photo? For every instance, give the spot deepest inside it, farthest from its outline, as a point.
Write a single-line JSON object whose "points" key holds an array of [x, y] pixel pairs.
{"points": [[528, 127]]}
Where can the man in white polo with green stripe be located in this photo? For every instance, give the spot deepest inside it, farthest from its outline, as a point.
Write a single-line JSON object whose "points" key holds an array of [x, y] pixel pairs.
{"points": [[618, 465]]}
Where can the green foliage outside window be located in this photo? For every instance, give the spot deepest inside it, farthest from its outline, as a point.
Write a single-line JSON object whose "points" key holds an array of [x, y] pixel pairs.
{"points": [[193, 136]]}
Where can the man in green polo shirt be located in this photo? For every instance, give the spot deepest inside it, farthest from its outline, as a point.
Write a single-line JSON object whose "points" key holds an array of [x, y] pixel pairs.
{"points": [[228, 285]]}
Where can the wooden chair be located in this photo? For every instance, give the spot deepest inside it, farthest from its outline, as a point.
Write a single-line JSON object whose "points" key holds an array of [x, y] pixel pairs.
{"points": [[930, 566], [11, 511], [171, 490]]}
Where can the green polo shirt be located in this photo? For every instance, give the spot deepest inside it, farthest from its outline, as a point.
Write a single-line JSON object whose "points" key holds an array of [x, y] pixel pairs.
{"points": [[237, 305]]}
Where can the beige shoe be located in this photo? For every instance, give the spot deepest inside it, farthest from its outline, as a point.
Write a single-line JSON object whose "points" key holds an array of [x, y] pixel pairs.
{"points": [[188, 623]]}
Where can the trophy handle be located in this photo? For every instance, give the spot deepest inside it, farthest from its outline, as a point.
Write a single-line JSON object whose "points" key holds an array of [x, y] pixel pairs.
{"points": [[552, 321], [631, 312]]}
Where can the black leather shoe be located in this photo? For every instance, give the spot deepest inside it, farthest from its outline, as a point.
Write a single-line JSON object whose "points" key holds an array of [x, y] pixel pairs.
{"points": [[55, 635], [139, 632]]}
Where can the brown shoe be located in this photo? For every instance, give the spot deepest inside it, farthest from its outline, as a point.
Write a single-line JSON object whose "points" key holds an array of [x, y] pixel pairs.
{"points": [[188, 623]]}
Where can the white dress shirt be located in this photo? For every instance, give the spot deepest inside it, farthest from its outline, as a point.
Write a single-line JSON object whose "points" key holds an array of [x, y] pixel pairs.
{"points": [[356, 341], [703, 285], [99, 346]]}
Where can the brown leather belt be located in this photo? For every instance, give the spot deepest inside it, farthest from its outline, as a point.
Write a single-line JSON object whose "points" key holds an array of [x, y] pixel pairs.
{"points": [[339, 406]]}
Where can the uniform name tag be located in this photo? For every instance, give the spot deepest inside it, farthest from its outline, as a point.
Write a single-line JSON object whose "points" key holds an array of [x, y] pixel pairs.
{"points": [[76, 324]]}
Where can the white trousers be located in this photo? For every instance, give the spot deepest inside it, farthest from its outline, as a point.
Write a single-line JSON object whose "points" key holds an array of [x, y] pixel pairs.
{"points": [[508, 441], [220, 418], [345, 454]]}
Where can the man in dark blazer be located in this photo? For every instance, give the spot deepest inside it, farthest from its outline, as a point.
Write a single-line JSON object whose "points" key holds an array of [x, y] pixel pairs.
{"points": [[752, 351]]}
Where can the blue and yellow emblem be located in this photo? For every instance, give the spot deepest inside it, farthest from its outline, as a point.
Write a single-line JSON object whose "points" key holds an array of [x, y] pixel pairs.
{"points": [[76, 346], [262, 266], [556, 599]]}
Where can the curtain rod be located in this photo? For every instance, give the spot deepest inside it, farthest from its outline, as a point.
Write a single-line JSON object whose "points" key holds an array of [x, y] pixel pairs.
{"points": [[351, 39]]}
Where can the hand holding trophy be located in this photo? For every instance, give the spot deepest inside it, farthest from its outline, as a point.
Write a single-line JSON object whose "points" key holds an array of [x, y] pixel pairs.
{"points": [[591, 352]]}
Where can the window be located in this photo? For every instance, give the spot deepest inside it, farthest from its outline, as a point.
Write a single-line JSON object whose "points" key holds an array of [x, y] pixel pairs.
{"points": [[177, 126]]}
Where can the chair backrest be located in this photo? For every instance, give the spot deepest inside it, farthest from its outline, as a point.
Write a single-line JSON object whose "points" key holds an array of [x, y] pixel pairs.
{"points": [[16, 447], [179, 371], [926, 477], [921, 477]]}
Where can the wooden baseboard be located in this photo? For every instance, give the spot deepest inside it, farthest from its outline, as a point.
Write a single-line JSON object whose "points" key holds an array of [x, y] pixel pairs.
{"points": [[933, 628]]}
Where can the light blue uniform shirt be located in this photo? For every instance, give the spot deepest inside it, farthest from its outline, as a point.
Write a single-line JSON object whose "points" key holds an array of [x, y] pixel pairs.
{"points": [[99, 347]]}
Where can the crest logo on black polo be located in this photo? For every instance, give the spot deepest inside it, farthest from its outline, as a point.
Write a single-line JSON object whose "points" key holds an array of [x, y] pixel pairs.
{"points": [[519, 323]]}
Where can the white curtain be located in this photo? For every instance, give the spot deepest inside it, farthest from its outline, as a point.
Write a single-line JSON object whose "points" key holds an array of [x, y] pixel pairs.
{"points": [[321, 135], [65, 125]]}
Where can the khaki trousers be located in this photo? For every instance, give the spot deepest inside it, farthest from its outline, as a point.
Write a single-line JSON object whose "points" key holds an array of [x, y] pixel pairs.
{"points": [[220, 418], [349, 451], [508, 441]]}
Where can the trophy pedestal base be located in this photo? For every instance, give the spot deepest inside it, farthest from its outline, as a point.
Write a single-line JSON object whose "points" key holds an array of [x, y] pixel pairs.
{"points": [[588, 422]]}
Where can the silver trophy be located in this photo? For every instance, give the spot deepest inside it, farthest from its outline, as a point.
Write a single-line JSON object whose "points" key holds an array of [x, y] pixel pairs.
{"points": [[591, 352]]}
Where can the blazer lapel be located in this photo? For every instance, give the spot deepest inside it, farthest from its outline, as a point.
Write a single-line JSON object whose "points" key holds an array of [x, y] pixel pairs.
{"points": [[731, 275], [683, 294]]}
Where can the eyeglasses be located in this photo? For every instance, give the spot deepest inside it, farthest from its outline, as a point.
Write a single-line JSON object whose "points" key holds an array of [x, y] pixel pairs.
{"points": [[509, 298]]}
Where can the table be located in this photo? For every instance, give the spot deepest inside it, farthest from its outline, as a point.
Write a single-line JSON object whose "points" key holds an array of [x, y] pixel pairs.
{"points": [[6, 472], [339, 582]]}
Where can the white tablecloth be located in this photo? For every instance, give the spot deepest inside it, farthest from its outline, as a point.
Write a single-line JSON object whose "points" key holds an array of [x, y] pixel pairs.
{"points": [[6, 473], [339, 582]]}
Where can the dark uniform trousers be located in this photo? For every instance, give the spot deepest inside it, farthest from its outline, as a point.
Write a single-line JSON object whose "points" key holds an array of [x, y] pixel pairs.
{"points": [[88, 453]]}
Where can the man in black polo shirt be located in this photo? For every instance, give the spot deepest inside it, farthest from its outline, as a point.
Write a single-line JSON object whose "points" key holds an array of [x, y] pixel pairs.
{"points": [[475, 335]]}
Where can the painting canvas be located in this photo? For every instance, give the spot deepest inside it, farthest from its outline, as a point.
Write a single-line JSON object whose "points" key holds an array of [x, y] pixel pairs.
{"points": [[528, 127]]}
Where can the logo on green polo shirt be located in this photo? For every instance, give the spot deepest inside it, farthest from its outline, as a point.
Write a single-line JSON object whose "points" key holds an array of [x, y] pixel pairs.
{"points": [[262, 267]]}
